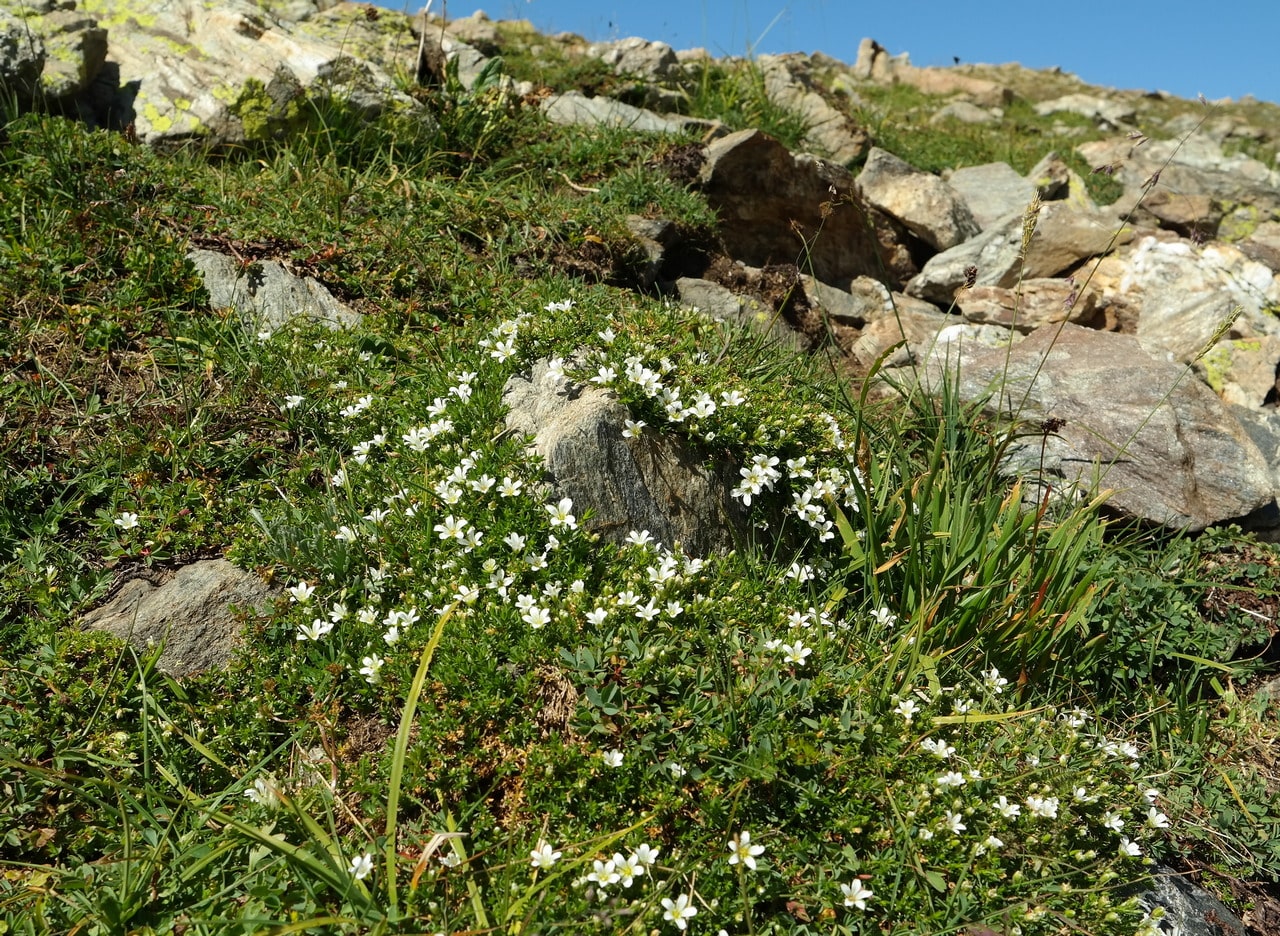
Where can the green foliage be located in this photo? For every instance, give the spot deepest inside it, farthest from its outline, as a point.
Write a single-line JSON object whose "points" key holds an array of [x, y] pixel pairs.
{"points": [[735, 94], [459, 673]]}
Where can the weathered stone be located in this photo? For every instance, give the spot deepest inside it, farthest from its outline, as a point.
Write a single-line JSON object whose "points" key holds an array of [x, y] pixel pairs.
{"points": [[1106, 113], [992, 192], [180, 69], [190, 613], [574, 107], [922, 329], [476, 30], [1030, 304], [638, 58], [1191, 215], [1189, 909], [1191, 166], [928, 207], [874, 63], [963, 112], [652, 482], [829, 132], [266, 295], [1181, 293], [1263, 244], [772, 205], [724, 304], [1243, 370], [75, 47], [1166, 448], [1056, 181], [22, 57], [1063, 237]]}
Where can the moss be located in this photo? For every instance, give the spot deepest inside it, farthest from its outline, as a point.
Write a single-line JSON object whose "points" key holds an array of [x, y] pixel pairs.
{"points": [[1240, 221], [1218, 362], [269, 112]]}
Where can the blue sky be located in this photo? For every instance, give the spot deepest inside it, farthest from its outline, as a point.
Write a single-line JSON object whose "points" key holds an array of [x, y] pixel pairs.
{"points": [[1226, 48]]}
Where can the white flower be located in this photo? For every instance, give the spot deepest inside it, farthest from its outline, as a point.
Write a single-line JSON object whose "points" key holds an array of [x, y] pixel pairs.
{"points": [[607, 336], [536, 617], [370, 667], [301, 593], [954, 822], [939, 749], [741, 849], [1156, 819], [801, 573], [451, 528], [1129, 849], [994, 681], [127, 520], [676, 770], [907, 708], [544, 856], [1150, 795], [612, 758], [1112, 821], [604, 873], [605, 376], [263, 792], [639, 538], [855, 895], [732, 398], [1046, 807], [1005, 808], [560, 515], [884, 617], [555, 371], [646, 854], [316, 630], [795, 653], [292, 401], [950, 779], [361, 866], [679, 910], [597, 616], [628, 868]]}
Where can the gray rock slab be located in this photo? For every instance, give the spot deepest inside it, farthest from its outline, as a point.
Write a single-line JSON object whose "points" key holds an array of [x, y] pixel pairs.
{"points": [[574, 107], [1168, 450], [652, 482], [190, 614], [992, 192], [266, 295], [927, 206]]}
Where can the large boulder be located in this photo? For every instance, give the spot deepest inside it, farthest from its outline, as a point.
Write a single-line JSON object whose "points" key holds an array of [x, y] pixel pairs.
{"points": [[190, 613], [1164, 446], [266, 295], [22, 57], [1063, 238], [829, 131], [992, 192], [180, 70], [574, 107], [651, 482], [927, 206], [776, 207]]}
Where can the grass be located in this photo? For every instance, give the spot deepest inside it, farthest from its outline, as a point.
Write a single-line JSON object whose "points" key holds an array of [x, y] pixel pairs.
{"points": [[907, 704]]}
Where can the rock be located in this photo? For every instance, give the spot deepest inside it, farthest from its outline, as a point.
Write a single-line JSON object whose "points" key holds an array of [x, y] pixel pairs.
{"points": [[75, 50], [1166, 448], [1181, 294], [830, 132], [190, 613], [772, 205], [1056, 181], [266, 295], [1188, 215], [919, 326], [992, 192], [1243, 370], [1189, 909], [864, 301], [1110, 115], [180, 70], [722, 303], [652, 482], [22, 57], [1030, 304], [963, 112], [477, 31], [650, 62], [928, 207], [874, 63], [1263, 244], [574, 107], [1194, 166], [1063, 237]]}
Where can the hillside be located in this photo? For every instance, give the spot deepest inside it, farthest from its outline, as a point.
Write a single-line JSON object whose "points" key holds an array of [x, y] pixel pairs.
{"points": [[460, 480]]}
